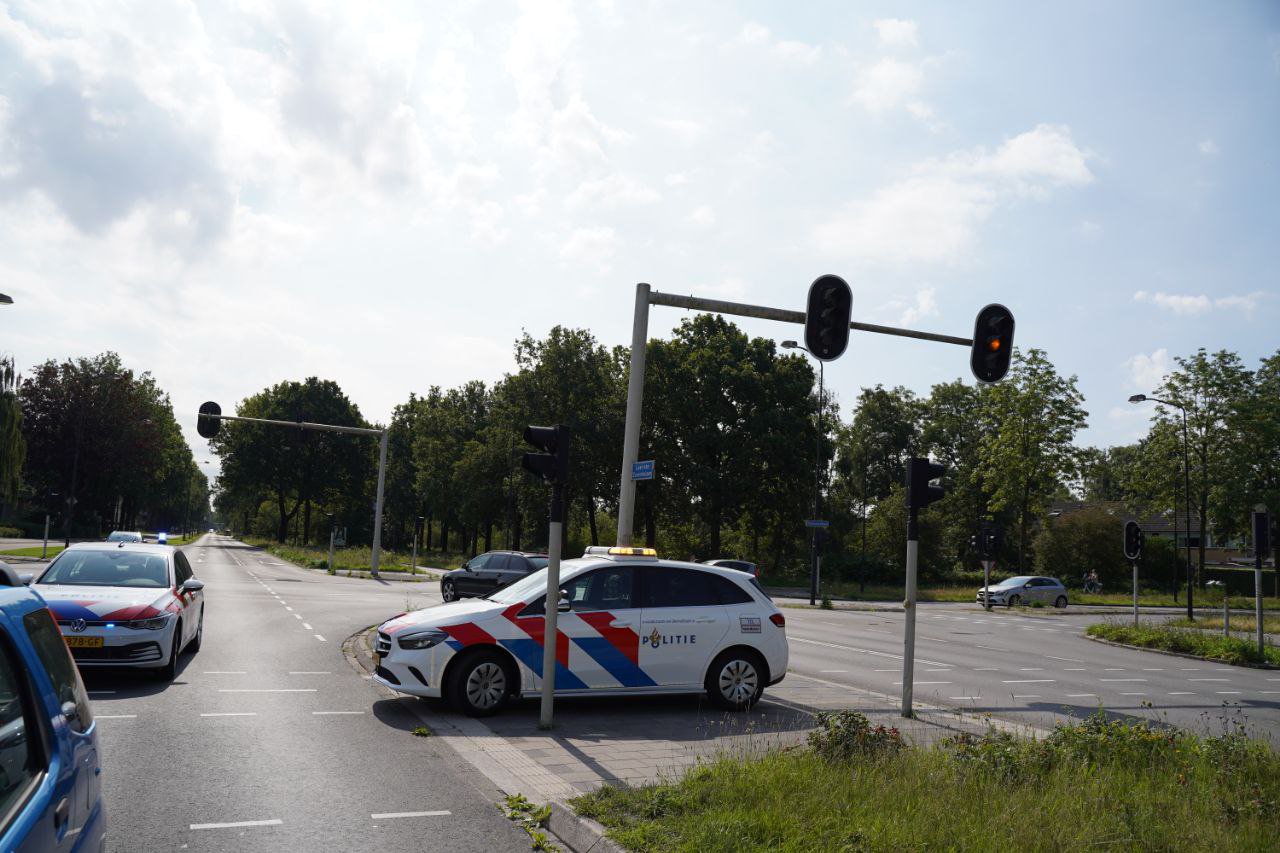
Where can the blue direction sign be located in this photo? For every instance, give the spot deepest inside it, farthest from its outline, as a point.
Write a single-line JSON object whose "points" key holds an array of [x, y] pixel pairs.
{"points": [[816, 522], [642, 470]]}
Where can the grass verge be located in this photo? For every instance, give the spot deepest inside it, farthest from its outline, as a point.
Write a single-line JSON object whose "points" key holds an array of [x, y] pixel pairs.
{"points": [[1121, 786], [31, 552], [1239, 622], [1234, 650], [353, 559]]}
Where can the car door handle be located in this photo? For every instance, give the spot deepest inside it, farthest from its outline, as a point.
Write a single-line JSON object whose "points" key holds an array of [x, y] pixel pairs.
{"points": [[617, 624]]}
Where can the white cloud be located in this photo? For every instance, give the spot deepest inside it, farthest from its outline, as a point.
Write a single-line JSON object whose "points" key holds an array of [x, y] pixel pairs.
{"points": [[612, 192], [888, 84], [1148, 371], [1195, 304], [895, 32], [933, 215], [703, 217], [685, 130], [755, 34], [1088, 228], [595, 246], [1208, 147], [926, 305], [676, 179]]}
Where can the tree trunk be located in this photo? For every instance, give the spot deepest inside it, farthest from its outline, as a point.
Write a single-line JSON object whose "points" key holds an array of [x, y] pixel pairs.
{"points": [[650, 523], [516, 530], [283, 530], [488, 535], [306, 523], [475, 539], [591, 519], [1204, 512]]}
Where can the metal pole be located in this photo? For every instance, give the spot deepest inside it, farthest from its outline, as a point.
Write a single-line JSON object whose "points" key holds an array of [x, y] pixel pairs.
{"points": [[1259, 526], [413, 561], [635, 400], [377, 508], [44, 550], [1135, 593], [551, 633], [909, 629], [986, 585], [1226, 611], [333, 532], [817, 492], [1186, 482]]}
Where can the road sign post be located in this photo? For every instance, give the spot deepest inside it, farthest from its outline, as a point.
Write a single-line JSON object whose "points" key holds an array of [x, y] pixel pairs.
{"points": [[920, 493], [44, 550], [986, 584], [1133, 541], [1261, 544], [642, 470]]}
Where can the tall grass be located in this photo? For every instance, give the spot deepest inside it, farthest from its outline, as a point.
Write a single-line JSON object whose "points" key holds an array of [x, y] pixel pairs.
{"points": [[353, 559], [1113, 785], [1233, 650]]}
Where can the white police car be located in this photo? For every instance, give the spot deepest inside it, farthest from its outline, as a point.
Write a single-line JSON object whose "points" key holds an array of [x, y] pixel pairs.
{"points": [[628, 624]]}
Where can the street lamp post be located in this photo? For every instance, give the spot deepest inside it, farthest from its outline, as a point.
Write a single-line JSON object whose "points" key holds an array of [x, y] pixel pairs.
{"points": [[817, 474], [1186, 482]]}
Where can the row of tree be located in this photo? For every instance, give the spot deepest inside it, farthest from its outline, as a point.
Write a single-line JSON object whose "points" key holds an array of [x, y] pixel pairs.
{"points": [[97, 447]]}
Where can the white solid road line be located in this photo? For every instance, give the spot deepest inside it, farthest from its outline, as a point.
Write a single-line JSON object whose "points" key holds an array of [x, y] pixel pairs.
{"points": [[237, 824], [114, 716], [389, 815], [233, 714], [269, 690], [1027, 695], [928, 682]]}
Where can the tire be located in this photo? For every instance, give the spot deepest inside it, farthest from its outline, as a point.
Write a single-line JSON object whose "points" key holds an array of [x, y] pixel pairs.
{"points": [[447, 591], [481, 684], [169, 671], [194, 645], [735, 680], [1061, 603], [1014, 600]]}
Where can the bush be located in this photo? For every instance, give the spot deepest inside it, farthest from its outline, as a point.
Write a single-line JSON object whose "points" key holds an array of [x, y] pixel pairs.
{"points": [[843, 735], [11, 532], [1233, 650]]}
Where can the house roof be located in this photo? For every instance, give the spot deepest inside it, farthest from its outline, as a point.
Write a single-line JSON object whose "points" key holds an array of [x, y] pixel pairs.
{"points": [[1154, 524]]}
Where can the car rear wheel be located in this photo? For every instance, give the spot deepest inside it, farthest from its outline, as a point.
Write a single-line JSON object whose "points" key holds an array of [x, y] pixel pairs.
{"points": [[480, 685], [169, 671], [447, 591], [735, 680], [1015, 600], [1061, 603]]}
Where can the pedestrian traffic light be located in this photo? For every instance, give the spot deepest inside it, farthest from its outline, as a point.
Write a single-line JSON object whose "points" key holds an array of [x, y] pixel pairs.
{"points": [[1133, 539], [992, 343], [920, 492], [826, 319], [553, 463], [1261, 531], [207, 423]]}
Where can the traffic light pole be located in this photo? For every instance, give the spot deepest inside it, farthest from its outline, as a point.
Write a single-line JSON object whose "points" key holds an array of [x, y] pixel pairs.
{"points": [[1135, 593], [646, 296], [551, 627], [909, 611]]}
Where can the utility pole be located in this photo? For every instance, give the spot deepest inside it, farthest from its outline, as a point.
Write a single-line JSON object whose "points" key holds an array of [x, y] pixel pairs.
{"points": [[552, 465], [1261, 531], [920, 473]]}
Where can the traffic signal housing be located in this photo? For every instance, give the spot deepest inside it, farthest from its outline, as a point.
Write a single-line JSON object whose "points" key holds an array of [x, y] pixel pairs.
{"points": [[826, 317], [920, 492], [553, 463], [992, 343], [207, 423], [1133, 539]]}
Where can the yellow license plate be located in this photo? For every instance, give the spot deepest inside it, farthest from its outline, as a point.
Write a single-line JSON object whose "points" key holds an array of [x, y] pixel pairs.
{"points": [[377, 659], [84, 642]]}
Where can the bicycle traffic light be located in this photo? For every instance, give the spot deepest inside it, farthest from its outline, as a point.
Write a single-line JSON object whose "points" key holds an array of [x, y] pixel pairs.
{"points": [[207, 422], [826, 318], [920, 491], [992, 343], [553, 463], [1133, 539]]}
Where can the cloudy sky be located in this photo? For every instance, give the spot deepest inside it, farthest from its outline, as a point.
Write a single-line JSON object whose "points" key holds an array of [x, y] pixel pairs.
{"points": [[230, 194]]}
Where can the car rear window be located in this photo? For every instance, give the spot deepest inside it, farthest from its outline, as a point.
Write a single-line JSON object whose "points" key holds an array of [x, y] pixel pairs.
{"points": [[760, 589], [53, 653]]}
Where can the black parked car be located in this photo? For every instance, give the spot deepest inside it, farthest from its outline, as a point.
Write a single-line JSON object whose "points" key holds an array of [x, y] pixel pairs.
{"points": [[486, 572], [741, 565]]}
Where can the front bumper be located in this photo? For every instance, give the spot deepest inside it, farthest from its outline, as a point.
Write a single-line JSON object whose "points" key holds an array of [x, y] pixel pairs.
{"points": [[996, 598], [120, 646], [409, 672]]}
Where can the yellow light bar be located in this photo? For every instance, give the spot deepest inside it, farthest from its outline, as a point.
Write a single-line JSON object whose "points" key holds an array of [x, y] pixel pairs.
{"points": [[633, 552]]}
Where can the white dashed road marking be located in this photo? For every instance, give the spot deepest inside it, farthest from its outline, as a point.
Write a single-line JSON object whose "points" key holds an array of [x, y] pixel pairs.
{"points": [[270, 690], [224, 672], [327, 713], [1122, 679], [389, 815], [311, 672], [237, 824], [114, 716], [318, 637], [1027, 681], [233, 714]]}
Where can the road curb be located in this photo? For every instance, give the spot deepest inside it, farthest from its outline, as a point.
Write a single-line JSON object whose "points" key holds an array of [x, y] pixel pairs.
{"points": [[1179, 654], [580, 834]]}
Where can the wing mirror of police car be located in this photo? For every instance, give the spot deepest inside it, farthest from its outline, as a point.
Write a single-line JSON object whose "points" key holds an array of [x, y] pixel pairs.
{"points": [[26, 578], [192, 585], [565, 606]]}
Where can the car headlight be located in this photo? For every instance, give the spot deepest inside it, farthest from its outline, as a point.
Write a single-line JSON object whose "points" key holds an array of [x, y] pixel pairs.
{"points": [[157, 623], [422, 640]]}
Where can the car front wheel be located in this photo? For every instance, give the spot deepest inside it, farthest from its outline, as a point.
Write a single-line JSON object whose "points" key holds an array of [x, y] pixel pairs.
{"points": [[1061, 603], [447, 591], [735, 680], [480, 685], [1015, 600], [169, 671]]}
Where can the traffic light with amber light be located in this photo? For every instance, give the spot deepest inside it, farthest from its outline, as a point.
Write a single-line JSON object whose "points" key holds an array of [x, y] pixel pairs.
{"points": [[826, 317], [553, 463], [920, 490], [992, 343]]}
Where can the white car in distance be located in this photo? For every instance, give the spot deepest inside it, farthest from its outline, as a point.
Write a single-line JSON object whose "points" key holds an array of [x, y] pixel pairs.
{"points": [[628, 623]]}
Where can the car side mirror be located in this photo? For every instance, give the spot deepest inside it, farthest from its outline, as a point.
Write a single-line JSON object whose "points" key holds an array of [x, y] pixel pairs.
{"points": [[565, 605], [70, 711], [466, 566], [26, 578], [192, 585]]}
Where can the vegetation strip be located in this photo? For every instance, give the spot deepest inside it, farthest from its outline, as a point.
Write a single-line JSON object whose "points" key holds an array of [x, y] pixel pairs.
{"points": [[859, 786], [1187, 641]]}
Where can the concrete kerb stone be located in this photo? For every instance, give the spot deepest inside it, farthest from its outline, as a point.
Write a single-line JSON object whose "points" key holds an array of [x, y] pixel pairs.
{"points": [[580, 834]]}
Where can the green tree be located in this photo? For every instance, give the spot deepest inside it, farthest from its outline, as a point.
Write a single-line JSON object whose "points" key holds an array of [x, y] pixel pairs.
{"points": [[1028, 454], [13, 447], [1254, 446]]}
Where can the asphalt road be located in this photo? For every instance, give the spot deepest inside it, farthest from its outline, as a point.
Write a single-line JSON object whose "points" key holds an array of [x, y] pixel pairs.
{"points": [[1032, 668], [269, 727]]}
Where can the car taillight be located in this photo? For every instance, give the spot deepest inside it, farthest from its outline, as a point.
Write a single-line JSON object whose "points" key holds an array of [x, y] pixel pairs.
{"points": [[778, 619]]}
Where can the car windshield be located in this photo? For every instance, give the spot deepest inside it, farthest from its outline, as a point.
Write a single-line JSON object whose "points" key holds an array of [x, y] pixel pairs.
{"points": [[124, 537], [520, 590], [539, 562], [1019, 581], [108, 568]]}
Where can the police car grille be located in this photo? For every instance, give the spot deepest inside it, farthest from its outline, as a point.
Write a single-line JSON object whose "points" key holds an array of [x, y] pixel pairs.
{"points": [[130, 653], [383, 644]]}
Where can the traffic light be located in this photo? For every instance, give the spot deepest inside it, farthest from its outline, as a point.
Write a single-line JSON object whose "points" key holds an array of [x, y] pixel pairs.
{"points": [[1261, 533], [207, 423], [826, 319], [988, 541], [920, 493], [553, 463], [992, 343], [1133, 539]]}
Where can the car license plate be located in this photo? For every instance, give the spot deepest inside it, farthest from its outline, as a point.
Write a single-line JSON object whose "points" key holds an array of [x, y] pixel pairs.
{"points": [[377, 659], [84, 642]]}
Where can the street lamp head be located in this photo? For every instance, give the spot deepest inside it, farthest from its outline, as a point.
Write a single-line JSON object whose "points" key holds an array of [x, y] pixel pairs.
{"points": [[789, 344], [1138, 398]]}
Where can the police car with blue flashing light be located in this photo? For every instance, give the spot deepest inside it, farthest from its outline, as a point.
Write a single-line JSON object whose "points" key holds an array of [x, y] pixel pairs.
{"points": [[628, 623], [125, 604]]}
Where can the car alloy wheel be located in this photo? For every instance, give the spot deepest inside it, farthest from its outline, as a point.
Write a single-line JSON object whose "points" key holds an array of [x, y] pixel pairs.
{"points": [[446, 591], [486, 686], [1014, 600], [1061, 603], [738, 682]]}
